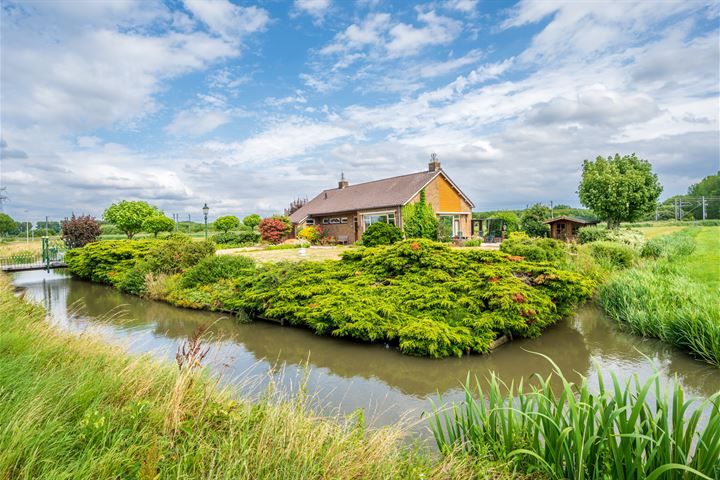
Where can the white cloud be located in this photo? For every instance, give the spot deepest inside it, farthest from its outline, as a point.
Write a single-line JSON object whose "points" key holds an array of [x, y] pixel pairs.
{"points": [[230, 21], [315, 8], [409, 40], [283, 139], [197, 122], [369, 32]]}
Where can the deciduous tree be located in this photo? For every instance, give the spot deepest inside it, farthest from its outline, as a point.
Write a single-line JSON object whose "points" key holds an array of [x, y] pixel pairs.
{"points": [[619, 189], [227, 223], [157, 224], [273, 230], [128, 216], [531, 220], [252, 220], [7, 224]]}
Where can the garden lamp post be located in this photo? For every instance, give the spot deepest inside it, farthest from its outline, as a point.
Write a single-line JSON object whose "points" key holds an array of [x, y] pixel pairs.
{"points": [[205, 210]]}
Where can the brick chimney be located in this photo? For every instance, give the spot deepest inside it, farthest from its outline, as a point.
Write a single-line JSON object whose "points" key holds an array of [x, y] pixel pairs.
{"points": [[434, 164], [342, 183]]}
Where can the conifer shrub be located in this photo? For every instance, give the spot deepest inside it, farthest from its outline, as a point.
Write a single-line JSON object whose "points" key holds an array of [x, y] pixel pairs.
{"points": [[213, 268], [177, 255], [107, 261], [534, 249], [243, 237], [381, 233]]}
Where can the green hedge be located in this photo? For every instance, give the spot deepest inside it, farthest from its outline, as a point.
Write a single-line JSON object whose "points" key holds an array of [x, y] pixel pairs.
{"points": [[381, 233]]}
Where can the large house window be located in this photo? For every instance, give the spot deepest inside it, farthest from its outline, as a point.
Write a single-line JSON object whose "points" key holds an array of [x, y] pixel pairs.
{"points": [[379, 217], [310, 221], [451, 224]]}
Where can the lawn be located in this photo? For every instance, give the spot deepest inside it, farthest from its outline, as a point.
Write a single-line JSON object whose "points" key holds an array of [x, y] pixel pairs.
{"points": [[704, 264]]}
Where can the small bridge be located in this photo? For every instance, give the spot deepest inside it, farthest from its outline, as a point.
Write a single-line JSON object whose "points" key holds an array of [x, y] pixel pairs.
{"points": [[51, 256]]}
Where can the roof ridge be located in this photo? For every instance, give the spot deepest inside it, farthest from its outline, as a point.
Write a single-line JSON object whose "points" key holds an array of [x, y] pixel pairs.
{"points": [[379, 180]]}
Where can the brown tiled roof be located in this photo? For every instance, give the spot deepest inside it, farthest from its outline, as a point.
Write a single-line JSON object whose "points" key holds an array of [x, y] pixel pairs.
{"points": [[388, 192]]}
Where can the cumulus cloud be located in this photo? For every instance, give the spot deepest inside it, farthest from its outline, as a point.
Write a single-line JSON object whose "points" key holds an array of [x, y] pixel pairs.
{"points": [[315, 8], [197, 122], [230, 21]]}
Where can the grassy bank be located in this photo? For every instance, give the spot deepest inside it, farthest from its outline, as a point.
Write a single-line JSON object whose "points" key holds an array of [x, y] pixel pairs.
{"points": [[675, 297], [74, 407]]}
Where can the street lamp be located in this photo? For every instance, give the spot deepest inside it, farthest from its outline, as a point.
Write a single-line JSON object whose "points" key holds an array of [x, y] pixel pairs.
{"points": [[205, 209]]}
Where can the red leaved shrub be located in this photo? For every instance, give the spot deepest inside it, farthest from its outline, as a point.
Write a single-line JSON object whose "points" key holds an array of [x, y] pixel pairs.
{"points": [[79, 231], [273, 230]]}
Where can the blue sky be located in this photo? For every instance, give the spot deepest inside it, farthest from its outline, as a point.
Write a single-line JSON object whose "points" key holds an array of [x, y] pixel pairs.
{"points": [[247, 105]]}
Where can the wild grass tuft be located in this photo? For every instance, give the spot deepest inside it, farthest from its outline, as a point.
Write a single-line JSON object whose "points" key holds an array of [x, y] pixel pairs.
{"points": [[625, 430]]}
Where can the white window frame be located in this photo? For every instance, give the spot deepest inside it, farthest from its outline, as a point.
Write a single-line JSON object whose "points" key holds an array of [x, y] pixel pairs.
{"points": [[377, 213], [310, 221]]}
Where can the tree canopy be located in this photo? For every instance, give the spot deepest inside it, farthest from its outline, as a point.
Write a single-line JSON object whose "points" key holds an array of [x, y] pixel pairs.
{"points": [[619, 189], [531, 220], [707, 187], [128, 216], [79, 231], [158, 223], [419, 220], [227, 223], [252, 220], [7, 224]]}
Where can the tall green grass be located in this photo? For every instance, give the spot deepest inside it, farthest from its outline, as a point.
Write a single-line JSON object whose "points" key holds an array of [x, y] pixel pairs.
{"points": [[659, 300], [72, 407], [628, 430]]}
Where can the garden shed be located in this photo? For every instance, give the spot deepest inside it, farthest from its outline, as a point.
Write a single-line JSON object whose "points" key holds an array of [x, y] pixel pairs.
{"points": [[566, 228]]}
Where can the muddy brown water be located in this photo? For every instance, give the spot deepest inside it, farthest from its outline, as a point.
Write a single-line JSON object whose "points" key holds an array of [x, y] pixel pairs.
{"points": [[343, 375]]}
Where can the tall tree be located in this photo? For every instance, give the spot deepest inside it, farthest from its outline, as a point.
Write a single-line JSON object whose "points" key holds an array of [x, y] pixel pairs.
{"points": [[619, 189], [7, 224], [295, 205], [707, 187], [531, 220], [129, 216]]}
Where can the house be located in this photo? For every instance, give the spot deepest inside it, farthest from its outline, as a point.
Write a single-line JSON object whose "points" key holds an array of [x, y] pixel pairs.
{"points": [[346, 211], [566, 228]]}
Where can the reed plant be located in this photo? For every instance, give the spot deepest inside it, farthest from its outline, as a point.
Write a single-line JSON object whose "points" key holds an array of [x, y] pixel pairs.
{"points": [[624, 430]]}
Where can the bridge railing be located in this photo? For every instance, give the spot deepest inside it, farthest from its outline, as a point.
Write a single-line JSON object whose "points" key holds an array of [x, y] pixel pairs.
{"points": [[51, 253]]}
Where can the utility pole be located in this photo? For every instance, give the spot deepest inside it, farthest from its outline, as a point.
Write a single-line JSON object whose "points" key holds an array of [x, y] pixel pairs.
{"points": [[704, 217], [46, 226], [656, 213], [676, 209], [552, 210]]}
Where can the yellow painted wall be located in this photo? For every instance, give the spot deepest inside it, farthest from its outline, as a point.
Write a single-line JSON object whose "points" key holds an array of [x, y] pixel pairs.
{"points": [[450, 200]]}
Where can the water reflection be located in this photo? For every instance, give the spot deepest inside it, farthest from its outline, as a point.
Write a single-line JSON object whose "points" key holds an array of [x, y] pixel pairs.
{"points": [[346, 375]]}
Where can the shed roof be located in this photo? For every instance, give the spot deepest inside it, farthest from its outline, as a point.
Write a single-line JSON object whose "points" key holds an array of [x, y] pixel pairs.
{"points": [[572, 219], [387, 192]]}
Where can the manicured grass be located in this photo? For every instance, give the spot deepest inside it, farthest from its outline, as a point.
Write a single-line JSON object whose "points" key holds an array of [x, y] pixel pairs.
{"points": [[72, 407], [704, 264]]}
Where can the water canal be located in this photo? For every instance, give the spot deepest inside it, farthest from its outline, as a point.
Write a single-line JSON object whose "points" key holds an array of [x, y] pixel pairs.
{"points": [[345, 375]]}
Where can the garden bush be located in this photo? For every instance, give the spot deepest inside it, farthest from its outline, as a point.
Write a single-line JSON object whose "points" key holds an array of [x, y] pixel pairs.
{"points": [[381, 233], [594, 233], [653, 248], [211, 269], [273, 229], [107, 261], [473, 242], [533, 249], [632, 238], [79, 231], [177, 255], [614, 253], [243, 237], [311, 233]]}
